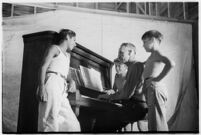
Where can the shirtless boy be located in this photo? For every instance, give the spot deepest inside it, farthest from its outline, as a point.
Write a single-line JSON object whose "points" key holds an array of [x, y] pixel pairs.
{"points": [[156, 69]]}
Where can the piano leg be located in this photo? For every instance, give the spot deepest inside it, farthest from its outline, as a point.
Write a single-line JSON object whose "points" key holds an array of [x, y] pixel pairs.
{"points": [[87, 119], [77, 111], [77, 97], [132, 126]]}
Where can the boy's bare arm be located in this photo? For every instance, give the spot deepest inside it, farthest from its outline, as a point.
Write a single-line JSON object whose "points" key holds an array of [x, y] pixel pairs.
{"points": [[46, 61]]}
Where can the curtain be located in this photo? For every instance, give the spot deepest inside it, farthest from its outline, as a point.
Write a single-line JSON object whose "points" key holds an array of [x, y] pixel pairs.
{"points": [[185, 117]]}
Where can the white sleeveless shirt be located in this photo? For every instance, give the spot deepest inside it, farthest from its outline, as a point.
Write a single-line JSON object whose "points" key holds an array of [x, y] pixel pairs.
{"points": [[60, 63]]}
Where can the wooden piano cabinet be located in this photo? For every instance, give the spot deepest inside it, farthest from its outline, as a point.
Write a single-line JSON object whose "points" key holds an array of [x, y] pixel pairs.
{"points": [[34, 48]]}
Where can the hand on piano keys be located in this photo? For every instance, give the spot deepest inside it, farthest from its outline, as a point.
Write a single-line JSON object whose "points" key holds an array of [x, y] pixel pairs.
{"points": [[109, 92], [104, 96], [107, 95]]}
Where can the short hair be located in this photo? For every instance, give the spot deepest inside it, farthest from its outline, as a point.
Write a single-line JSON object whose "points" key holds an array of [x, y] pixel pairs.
{"points": [[63, 33], [129, 45], [153, 33]]}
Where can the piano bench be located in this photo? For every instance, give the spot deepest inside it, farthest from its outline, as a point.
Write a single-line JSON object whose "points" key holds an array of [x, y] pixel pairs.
{"points": [[131, 122]]}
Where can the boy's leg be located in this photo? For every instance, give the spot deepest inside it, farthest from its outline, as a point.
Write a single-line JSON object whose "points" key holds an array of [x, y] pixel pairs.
{"points": [[47, 110], [68, 119], [157, 109]]}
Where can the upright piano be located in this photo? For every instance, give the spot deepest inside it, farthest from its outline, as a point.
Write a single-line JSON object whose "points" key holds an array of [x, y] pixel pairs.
{"points": [[84, 101]]}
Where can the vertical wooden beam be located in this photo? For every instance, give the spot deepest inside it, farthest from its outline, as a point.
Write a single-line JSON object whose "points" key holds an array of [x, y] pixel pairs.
{"points": [[149, 8], [128, 7], [131, 7], [137, 9], [184, 10], [96, 5], [168, 6], [157, 14], [145, 8], [12, 10], [35, 8], [115, 6]]}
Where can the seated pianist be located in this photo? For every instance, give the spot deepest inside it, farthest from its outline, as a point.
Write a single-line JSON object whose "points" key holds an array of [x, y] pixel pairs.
{"points": [[120, 78], [127, 90]]}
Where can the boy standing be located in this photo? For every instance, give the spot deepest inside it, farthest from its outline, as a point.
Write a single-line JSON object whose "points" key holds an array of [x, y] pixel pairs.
{"points": [[156, 68], [55, 113]]}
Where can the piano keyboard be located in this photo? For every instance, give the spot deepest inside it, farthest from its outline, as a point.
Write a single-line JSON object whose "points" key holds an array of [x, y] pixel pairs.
{"points": [[96, 99]]}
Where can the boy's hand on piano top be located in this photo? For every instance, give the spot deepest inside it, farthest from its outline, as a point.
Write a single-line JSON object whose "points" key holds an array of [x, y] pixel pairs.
{"points": [[72, 86]]}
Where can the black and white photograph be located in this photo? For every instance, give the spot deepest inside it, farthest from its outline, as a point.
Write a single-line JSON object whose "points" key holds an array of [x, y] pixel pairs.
{"points": [[100, 67]]}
